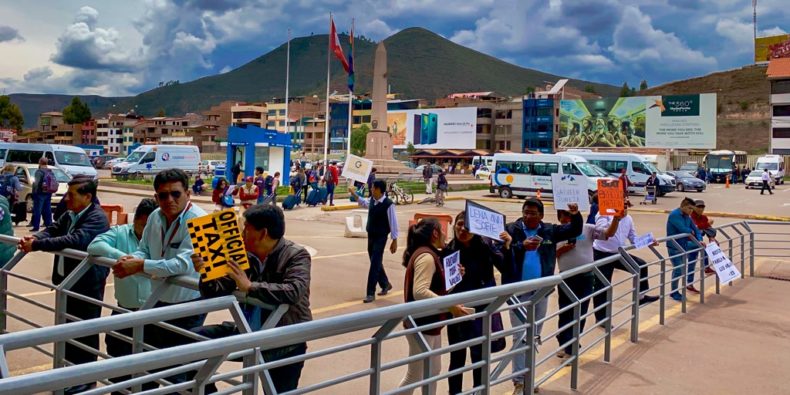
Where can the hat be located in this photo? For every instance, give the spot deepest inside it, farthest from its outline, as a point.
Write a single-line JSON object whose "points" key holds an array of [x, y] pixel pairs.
{"points": [[699, 203], [248, 179]]}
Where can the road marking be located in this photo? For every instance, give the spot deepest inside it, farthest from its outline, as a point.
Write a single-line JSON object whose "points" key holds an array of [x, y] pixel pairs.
{"points": [[354, 303], [347, 254], [40, 293]]}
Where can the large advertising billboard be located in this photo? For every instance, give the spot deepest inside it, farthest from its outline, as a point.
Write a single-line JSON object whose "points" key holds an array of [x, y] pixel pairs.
{"points": [[767, 48], [433, 128], [674, 121]]}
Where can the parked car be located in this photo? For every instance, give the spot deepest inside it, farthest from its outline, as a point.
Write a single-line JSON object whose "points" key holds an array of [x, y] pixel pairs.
{"points": [[686, 181], [112, 162], [755, 179], [150, 159], [408, 164], [435, 167], [207, 167], [100, 160], [483, 173], [26, 172]]}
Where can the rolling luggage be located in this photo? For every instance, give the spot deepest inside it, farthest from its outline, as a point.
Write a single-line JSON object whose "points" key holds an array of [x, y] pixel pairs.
{"points": [[290, 202], [316, 196]]}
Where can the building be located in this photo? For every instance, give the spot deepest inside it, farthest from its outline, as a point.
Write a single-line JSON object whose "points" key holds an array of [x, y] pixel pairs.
{"points": [[219, 117], [246, 114], [89, 132], [103, 133], [779, 76], [255, 147]]}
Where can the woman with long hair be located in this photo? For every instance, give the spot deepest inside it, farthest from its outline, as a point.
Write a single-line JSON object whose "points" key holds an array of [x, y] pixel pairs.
{"points": [[479, 255], [425, 280], [218, 195]]}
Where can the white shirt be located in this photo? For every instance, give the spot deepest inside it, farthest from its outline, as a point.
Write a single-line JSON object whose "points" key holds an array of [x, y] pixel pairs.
{"points": [[766, 176], [582, 254], [625, 231]]}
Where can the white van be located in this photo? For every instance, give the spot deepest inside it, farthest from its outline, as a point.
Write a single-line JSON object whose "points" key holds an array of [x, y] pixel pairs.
{"points": [[638, 169], [151, 159], [72, 160], [775, 165], [525, 174]]}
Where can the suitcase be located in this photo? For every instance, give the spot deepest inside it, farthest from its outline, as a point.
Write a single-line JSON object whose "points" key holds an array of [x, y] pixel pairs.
{"points": [[19, 212], [316, 196], [290, 202]]}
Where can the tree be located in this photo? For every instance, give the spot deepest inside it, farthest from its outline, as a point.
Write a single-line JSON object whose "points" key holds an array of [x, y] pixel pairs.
{"points": [[410, 149], [530, 90], [76, 112], [590, 89], [625, 91], [161, 112], [358, 137], [643, 85], [10, 115]]}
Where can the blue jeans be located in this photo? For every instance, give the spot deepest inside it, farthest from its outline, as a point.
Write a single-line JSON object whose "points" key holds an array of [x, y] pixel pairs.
{"points": [[42, 209], [330, 190], [677, 269], [520, 359]]}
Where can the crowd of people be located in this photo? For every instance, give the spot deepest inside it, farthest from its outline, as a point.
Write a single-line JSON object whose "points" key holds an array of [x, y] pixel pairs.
{"points": [[157, 244]]}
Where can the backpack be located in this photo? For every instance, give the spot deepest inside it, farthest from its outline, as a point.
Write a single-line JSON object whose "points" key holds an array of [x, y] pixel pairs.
{"points": [[329, 177], [49, 184], [268, 182], [7, 187]]}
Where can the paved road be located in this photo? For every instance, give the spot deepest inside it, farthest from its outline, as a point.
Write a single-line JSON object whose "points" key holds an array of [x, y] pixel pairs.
{"points": [[340, 266]]}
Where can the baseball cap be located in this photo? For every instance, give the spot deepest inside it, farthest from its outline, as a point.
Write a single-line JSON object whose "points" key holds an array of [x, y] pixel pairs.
{"points": [[699, 203]]}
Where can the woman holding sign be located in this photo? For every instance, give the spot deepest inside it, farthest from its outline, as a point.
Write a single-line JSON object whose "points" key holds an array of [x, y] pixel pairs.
{"points": [[479, 256], [425, 280]]}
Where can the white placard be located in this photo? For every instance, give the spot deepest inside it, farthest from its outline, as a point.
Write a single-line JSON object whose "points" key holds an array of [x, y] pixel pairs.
{"points": [[452, 270], [357, 169], [568, 188], [483, 221], [723, 266], [644, 240]]}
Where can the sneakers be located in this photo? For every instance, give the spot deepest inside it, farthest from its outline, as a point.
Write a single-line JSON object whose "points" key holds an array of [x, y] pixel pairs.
{"points": [[385, 290], [709, 271], [647, 299], [563, 355], [518, 389], [691, 289], [677, 296]]}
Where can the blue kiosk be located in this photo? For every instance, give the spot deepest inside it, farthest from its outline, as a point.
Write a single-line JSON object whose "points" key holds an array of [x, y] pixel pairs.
{"points": [[255, 147]]}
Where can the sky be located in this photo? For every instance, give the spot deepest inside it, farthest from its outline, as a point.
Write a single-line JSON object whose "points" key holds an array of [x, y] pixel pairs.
{"points": [[115, 48]]}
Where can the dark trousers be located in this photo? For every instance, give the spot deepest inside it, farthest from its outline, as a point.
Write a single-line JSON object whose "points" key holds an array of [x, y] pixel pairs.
{"points": [[607, 270], [765, 187], [582, 286], [118, 348], [376, 274], [85, 311], [458, 333], [284, 378], [330, 192], [162, 338], [42, 210]]}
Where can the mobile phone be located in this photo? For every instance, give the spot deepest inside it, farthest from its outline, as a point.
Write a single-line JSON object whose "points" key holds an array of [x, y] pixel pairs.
{"points": [[417, 130]]}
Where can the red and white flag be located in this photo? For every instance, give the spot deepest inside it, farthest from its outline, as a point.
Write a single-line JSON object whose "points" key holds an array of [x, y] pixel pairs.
{"points": [[334, 44]]}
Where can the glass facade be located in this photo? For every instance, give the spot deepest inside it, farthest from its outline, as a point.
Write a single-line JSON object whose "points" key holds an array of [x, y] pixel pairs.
{"points": [[538, 125]]}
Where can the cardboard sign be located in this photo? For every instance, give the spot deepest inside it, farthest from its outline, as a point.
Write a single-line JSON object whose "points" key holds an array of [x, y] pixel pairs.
{"points": [[217, 239], [452, 270], [723, 266], [644, 240], [483, 221], [568, 188], [610, 197], [357, 169]]}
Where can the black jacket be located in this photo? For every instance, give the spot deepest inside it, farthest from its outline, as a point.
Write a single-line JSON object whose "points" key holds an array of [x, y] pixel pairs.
{"points": [[282, 278], [57, 237], [479, 260], [551, 234]]}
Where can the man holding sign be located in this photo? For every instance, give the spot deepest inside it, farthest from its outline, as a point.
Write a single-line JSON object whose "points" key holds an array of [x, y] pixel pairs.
{"points": [[680, 222], [533, 249]]}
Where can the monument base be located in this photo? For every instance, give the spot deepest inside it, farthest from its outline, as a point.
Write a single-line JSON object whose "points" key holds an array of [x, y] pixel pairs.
{"points": [[391, 166], [378, 148]]}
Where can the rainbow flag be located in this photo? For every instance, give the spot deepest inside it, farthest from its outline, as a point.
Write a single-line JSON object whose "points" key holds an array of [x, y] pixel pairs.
{"points": [[351, 61]]}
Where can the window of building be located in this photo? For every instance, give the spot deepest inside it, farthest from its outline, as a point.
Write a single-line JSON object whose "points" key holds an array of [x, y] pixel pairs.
{"points": [[366, 119], [778, 133], [281, 112], [780, 87], [782, 110], [544, 112]]}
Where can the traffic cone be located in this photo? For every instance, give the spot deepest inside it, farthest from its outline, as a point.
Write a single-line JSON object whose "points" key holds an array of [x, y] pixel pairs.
{"points": [[727, 182]]}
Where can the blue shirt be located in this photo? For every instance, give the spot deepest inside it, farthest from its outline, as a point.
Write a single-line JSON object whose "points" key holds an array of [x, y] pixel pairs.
{"points": [[679, 223], [531, 265], [120, 240], [167, 251]]}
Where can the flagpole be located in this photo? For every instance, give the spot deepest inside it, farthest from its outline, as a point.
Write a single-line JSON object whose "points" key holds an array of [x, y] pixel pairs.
{"points": [[350, 100], [287, 78], [326, 117]]}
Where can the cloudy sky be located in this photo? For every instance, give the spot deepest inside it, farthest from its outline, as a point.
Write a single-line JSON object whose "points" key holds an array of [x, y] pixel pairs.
{"points": [[127, 47]]}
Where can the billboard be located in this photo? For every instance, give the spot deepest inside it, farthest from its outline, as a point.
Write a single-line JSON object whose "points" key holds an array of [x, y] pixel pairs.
{"points": [[767, 48], [673, 121], [433, 128]]}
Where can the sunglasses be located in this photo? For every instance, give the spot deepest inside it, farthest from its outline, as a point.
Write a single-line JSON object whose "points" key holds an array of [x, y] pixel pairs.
{"points": [[174, 194]]}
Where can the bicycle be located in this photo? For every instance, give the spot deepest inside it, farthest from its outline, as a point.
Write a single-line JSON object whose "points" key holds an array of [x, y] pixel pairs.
{"points": [[399, 195]]}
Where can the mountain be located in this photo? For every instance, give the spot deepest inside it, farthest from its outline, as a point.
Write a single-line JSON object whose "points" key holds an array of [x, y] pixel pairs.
{"points": [[421, 64], [744, 111]]}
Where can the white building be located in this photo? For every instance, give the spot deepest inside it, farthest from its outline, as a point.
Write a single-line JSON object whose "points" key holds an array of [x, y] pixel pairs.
{"points": [[779, 77]]}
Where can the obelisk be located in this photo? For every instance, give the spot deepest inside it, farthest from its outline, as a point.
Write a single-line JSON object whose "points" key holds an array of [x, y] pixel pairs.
{"points": [[378, 146]]}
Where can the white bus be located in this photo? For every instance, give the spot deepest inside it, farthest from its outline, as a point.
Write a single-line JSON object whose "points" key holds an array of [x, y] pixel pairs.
{"points": [[525, 174], [638, 169], [775, 164]]}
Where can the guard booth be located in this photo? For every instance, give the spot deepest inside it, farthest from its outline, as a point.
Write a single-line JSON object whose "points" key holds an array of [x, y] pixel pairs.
{"points": [[255, 147]]}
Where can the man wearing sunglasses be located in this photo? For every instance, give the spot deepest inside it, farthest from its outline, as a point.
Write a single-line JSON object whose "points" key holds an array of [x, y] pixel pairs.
{"points": [[165, 250]]}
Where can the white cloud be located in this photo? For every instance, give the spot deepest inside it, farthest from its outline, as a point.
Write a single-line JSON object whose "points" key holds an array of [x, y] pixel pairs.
{"points": [[8, 33], [738, 33]]}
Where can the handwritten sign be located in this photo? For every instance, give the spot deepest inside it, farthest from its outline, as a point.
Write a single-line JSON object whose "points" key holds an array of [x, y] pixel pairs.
{"points": [[452, 270], [644, 240], [483, 221], [610, 197], [723, 266], [217, 239], [568, 188], [357, 169]]}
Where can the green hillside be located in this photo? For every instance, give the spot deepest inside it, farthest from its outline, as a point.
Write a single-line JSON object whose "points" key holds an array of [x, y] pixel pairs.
{"points": [[421, 64]]}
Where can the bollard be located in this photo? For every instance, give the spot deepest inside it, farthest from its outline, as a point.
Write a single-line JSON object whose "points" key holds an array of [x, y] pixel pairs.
{"points": [[727, 182]]}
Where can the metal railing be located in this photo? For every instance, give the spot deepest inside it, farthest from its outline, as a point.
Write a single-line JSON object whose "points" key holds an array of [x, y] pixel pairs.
{"points": [[367, 346]]}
